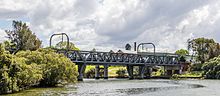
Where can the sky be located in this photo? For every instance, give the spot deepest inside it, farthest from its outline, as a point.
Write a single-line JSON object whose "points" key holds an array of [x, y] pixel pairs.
{"points": [[110, 24]]}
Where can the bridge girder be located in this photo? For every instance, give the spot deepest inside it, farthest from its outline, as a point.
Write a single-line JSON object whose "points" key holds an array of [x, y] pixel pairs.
{"points": [[91, 57]]}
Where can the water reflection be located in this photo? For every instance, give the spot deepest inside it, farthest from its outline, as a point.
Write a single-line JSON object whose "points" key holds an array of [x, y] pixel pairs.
{"points": [[112, 88], [133, 91]]}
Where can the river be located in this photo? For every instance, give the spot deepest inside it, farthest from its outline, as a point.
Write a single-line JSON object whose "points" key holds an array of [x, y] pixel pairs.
{"points": [[124, 87]]}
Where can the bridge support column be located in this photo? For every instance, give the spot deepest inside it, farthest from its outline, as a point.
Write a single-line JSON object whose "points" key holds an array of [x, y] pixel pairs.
{"points": [[169, 72], [106, 71], [130, 71], [81, 70], [141, 71], [150, 71], [97, 70], [147, 71], [176, 71]]}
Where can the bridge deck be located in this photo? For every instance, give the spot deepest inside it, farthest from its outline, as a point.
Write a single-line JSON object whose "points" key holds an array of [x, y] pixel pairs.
{"points": [[91, 57]]}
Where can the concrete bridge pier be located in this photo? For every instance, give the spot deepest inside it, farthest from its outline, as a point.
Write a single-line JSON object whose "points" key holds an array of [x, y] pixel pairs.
{"points": [[177, 71], [81, 70], [130, 69], [150, 70], [170, 70], [97, 70], [106, 71], [141, 71]]}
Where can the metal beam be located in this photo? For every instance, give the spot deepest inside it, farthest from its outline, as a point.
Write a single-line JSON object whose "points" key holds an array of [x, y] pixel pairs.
{"points": [[146, 44], [51, 37]]}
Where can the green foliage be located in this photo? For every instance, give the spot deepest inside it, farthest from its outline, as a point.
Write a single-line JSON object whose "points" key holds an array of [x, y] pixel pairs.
{"points": [[157, 72], [56, 68], [121, 72], [27, 74], [191, 74], [29, 68], [204, 49], [16, 76], [63, 45], [90, 73], [182, 52], [22, 38], [196, 67], [175, 77], [5, 63], [212, 68]]}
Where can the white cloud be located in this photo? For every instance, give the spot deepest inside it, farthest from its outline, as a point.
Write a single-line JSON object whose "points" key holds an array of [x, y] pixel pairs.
{"points": [[13, 9], [2, 35], [110, 24]]}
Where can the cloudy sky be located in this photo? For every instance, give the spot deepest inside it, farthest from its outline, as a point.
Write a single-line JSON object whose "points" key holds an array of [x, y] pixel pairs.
{"points": [[110, 24]]}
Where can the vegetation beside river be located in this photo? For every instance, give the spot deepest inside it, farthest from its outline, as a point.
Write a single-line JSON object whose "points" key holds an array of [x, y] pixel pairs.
{"points": [[42, 67]]}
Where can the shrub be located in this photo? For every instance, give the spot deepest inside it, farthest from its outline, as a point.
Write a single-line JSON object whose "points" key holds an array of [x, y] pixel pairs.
{"points": [[175, 76], [29, 68], [16, 76], [212, 68], [196, 67], [56, 68], [91, 73], [121, 72]]}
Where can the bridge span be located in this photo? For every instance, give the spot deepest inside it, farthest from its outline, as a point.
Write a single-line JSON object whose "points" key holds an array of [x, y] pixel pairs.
{"points": [[140, 59], [83, 58]]}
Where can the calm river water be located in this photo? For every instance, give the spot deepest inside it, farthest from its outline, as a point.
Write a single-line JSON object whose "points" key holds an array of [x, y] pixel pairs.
{"points": [[124, 87]]}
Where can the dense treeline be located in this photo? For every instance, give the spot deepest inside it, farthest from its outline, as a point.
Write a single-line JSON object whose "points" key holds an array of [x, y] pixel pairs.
{"points": [[204, 49], [207, 53], [34, 68], [212, 68]]}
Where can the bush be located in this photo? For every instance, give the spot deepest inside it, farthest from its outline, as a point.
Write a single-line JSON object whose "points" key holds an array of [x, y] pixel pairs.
{"points": [[212, 68], [56, 68], [17, 76], [29, 68], [196, 67], [91, 73], [175, 76], [121, 72]]}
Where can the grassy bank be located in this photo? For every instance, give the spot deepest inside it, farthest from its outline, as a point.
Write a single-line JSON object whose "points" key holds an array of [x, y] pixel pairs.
{"points": [[192, 75], [111, 69]]}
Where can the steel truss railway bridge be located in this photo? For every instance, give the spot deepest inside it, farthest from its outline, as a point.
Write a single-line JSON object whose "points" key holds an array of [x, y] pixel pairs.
{"points": [[143, 61]]}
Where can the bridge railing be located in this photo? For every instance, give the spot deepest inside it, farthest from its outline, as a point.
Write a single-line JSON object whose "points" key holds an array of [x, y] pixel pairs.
{"points": [[92, 57]]}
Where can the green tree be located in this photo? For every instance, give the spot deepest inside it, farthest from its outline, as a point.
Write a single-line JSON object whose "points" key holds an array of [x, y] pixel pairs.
{"points": [[201, 47], [5, 61], [121, 72], [214, 50], [22, 37], [211, 68], [56, 68], [15, 74], [42, 67], [182, 53], [63, 45]]}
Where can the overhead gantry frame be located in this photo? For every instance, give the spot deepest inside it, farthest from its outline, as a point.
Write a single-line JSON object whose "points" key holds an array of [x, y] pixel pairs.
{"points": [[62, 34]]}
